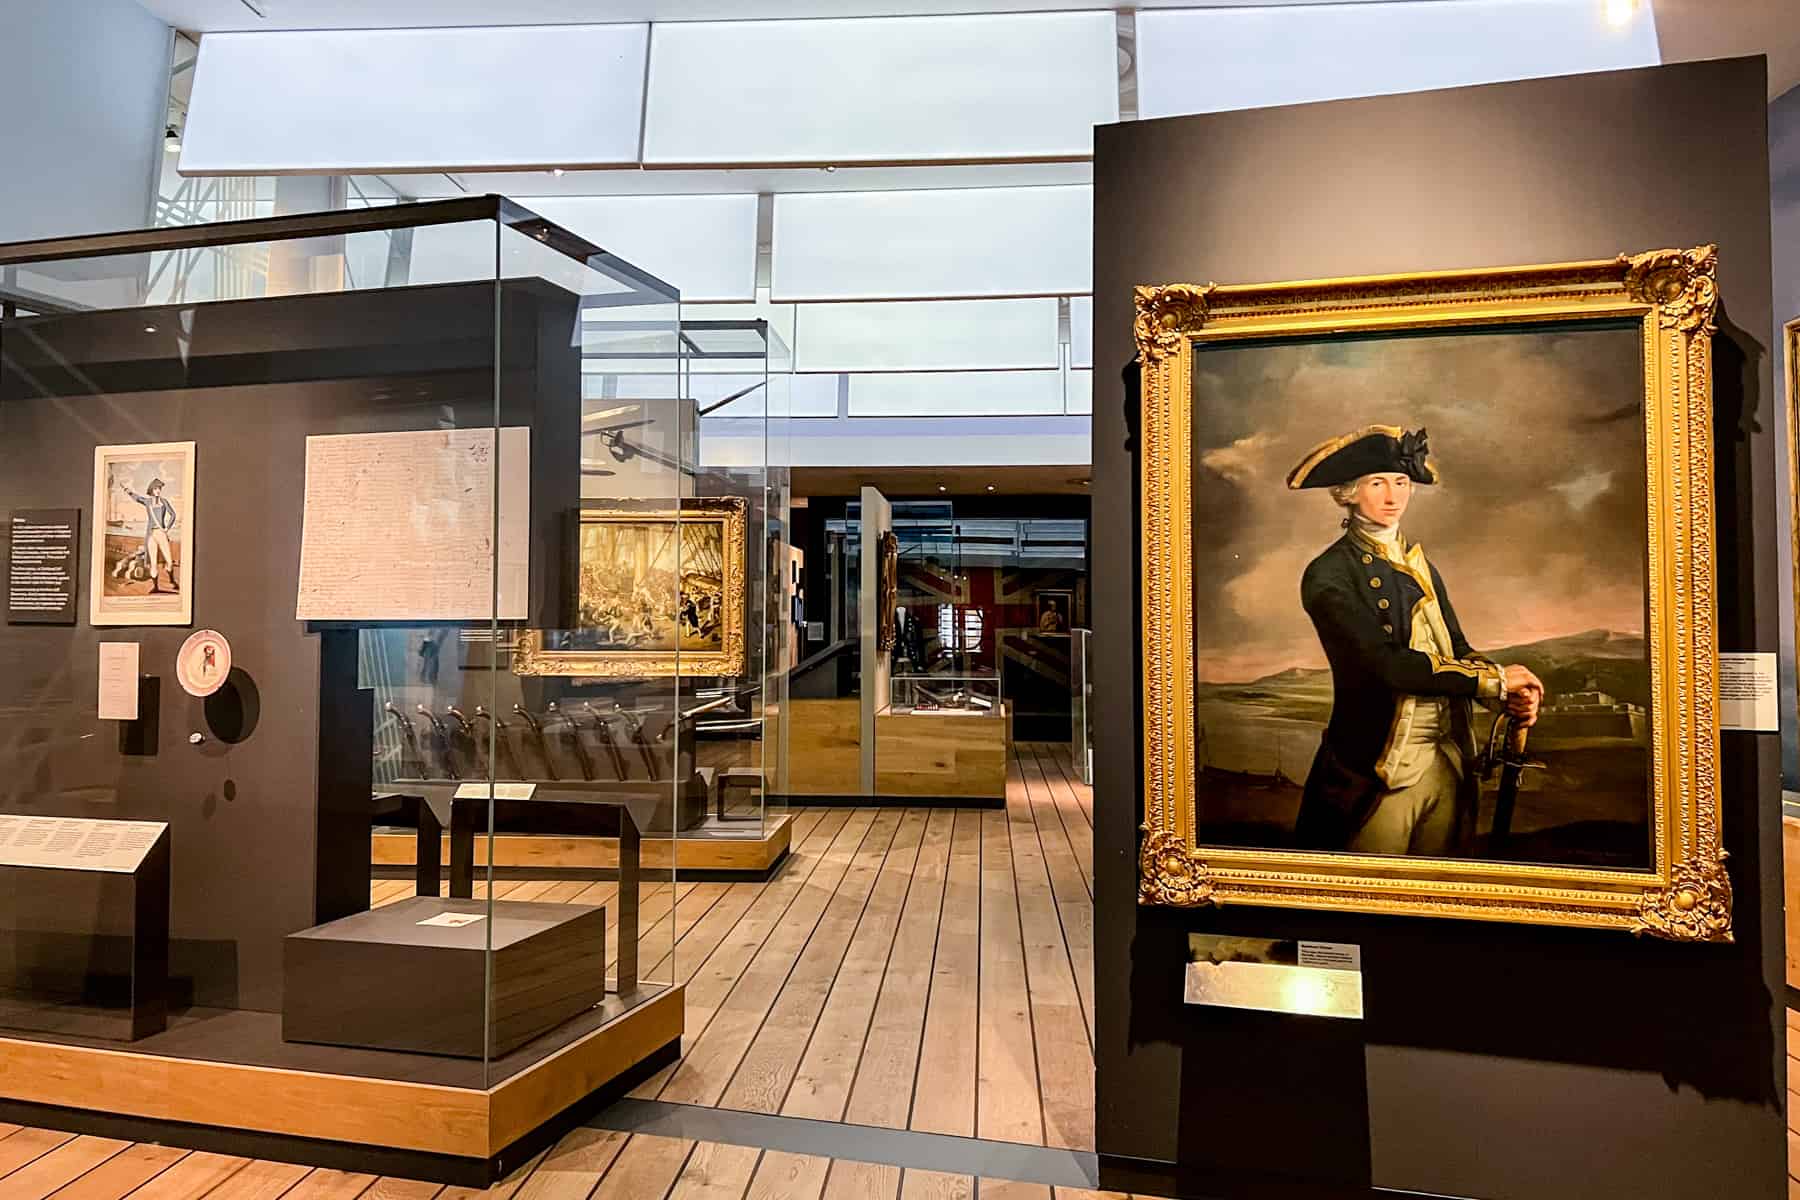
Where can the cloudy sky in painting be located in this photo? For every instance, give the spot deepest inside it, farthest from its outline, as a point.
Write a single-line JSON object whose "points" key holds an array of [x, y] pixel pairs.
{"points": [[1537, 523]]}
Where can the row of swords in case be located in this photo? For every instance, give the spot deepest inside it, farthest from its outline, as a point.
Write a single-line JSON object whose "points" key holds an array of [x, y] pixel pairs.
{"points": [[457, 748]]}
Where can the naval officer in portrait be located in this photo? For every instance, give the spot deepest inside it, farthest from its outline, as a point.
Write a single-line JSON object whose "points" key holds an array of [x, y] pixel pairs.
{"points": [[1394, 773]]}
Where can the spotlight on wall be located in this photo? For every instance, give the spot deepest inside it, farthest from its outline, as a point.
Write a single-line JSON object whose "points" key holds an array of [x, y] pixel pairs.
{"points": [[990, 487], [1620, 13], [171, 139]]}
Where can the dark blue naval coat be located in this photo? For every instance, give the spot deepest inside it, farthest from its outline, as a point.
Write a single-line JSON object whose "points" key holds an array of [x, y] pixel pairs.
{"points": [[1362, 607]]}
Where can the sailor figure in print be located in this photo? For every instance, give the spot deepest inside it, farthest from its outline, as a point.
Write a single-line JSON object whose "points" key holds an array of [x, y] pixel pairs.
{"points": [[1393, 774]]}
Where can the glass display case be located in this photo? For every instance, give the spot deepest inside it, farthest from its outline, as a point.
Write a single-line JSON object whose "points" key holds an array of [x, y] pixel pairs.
{"points": [[317, 525], [726, 381]]}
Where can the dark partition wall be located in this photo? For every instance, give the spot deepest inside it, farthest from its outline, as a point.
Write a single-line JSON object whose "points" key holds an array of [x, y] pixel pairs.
{"points": [[1495, 1061], [270, 832]]}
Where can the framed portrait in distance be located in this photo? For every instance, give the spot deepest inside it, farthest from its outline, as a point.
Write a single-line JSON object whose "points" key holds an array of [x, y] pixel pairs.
{"points": [[1055, 610], [1428, 595], [141, 563], [658, 592]]}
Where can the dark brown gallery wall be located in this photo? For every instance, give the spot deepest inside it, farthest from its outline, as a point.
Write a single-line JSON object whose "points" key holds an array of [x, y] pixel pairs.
{"points": [[1496, 1061]]}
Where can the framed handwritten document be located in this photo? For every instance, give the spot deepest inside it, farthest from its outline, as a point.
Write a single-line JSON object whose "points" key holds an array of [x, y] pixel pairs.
{"points": [[403, 526]]}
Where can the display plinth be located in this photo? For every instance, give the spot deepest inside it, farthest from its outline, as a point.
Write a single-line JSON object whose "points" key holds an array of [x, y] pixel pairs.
{"points": [[462, 1133], [548, 962], [707, 851], [59, 973]]}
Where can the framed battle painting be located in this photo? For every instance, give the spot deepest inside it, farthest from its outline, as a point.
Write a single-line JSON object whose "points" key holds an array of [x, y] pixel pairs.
{"points": [[658, 592], [1428, 615]]}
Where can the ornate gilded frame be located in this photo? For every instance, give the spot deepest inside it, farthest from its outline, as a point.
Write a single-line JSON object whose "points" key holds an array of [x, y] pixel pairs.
{"points": [[530, 657], [1672, 293], [1790, 342]]}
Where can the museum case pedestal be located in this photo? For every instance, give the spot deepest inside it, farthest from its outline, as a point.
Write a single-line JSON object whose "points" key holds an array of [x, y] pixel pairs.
{"points": [[359, 980], [84, 926], [324, 470]]}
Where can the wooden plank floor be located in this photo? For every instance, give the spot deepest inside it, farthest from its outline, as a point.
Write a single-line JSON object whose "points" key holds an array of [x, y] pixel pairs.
{"points": [[588, 1164]]}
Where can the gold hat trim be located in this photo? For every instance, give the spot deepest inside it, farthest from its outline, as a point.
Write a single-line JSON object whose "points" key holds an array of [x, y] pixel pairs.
{"points": [[1297, 477]]}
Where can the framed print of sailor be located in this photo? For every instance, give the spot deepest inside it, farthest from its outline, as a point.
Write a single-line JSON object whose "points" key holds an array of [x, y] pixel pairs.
{"points": [[1467, 673]]}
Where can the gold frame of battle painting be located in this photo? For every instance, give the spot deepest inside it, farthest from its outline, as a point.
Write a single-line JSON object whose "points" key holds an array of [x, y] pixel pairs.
{"points": [[730, 514], [1671, 297]]}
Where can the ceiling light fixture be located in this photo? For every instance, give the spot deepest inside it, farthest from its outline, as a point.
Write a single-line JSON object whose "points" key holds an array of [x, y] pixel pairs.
{"points": [[1620, 13], [943, 487], [557, 171], [149, 329], [990, 487], [172, 140]]}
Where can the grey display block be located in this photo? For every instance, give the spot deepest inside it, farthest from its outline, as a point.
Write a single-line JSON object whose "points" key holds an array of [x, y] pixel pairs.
{"points": [[382, 980]]}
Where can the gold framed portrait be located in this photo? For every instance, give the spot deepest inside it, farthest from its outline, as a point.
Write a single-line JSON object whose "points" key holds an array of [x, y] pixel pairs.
{"points": [[658, 592], [1428, 595]]}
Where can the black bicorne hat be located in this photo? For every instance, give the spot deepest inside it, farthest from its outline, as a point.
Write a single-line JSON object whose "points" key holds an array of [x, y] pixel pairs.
{"points": [[1371, 450]]}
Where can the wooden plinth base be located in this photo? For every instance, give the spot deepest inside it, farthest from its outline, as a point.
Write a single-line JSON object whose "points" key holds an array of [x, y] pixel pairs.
{"points": [[464, 1135], [708, 849]]}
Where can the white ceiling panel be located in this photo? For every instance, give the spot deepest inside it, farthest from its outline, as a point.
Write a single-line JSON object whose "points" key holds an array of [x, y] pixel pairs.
{"points": [[1211, 60], [957, 394], [964, 242], [926, 335], [704, 245], [415, 99], [205, 16], [881, 90]]}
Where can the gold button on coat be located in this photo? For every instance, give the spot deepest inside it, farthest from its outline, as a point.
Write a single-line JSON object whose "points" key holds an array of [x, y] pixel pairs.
{"points": [[1374, 581], [1368, 558], [1387, 628], [1382, 603]]}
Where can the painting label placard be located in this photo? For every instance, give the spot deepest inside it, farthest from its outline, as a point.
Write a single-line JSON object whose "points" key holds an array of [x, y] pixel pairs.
{"points": [[1748, 697]]}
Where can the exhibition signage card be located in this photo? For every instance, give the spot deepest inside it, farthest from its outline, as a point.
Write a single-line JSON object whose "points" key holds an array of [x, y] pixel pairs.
{"points": [[1309, 979], [118, 681], [1747, 694], [76, 843], [401, 526], [502, 791], [40, 580], [452, 920]]}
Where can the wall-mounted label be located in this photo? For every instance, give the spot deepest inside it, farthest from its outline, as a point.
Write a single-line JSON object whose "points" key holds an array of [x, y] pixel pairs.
{"points": [[1747, 692], [1334, 956], [118, 681], [41, 582]]}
